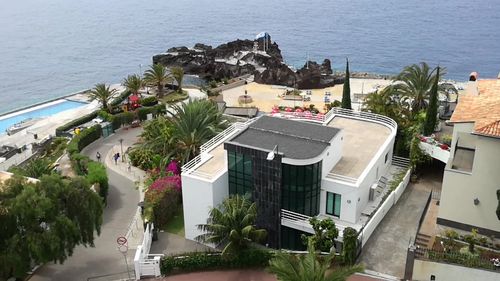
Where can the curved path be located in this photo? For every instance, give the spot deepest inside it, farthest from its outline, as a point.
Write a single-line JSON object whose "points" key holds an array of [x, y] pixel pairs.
{"points": [[123, 197]]}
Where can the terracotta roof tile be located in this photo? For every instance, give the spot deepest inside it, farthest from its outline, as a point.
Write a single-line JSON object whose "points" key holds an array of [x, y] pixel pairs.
{"points": [[483, 109]]}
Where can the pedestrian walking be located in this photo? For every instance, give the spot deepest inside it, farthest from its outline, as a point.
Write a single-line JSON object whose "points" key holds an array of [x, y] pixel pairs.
{"points": [[98, 156], [116, 156]]}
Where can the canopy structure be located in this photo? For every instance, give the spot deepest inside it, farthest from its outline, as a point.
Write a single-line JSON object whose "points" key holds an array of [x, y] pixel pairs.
{"points": [[263, 35]]}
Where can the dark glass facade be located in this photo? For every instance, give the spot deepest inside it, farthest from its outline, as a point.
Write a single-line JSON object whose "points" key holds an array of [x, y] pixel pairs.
{"points": [[291, 239], [240, 173], [301, 187]]}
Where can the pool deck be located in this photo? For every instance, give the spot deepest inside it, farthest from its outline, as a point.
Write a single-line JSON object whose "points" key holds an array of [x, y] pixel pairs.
{"points": [[44, 127]]}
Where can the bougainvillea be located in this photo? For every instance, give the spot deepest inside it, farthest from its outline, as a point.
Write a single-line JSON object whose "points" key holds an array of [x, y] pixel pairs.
{"points": [[176, 181], [173, 167]]}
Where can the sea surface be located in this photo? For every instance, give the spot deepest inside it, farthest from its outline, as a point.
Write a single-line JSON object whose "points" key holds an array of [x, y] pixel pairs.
{"points": [[51, 48]]}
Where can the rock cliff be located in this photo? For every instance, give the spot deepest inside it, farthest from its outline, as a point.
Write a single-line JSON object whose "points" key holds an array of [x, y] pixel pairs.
{"points": [[242, 57]]}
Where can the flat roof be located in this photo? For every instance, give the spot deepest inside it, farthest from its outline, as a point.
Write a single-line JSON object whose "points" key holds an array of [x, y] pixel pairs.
{"points": [[295, 139], [362, 140]]}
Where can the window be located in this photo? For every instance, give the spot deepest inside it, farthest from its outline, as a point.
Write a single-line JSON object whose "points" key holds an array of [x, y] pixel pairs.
{"points": [[301, 188], [386, 157], [240, 173], [333, 204]]}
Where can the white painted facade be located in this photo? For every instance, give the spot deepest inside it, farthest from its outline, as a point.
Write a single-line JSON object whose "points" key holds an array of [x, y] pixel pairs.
{"points": [[460, 188], [200, 194]]}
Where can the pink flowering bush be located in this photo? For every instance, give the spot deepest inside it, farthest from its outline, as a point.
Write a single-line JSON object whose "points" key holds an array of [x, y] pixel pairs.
{"points": [[174, 167]]}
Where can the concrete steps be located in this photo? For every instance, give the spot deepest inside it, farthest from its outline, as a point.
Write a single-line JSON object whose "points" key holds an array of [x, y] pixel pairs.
{"points": [[422, 240]]}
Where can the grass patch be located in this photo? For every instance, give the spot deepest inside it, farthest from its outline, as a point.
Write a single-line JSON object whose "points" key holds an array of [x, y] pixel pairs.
{"points": [[176, 224], [175, 97]]}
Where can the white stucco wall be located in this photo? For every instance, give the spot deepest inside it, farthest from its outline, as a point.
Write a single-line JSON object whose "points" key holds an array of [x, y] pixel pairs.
{"points": [[463, 132], [348, 193], [460, 189], [199, 196], [333, 153], [422, 271]]}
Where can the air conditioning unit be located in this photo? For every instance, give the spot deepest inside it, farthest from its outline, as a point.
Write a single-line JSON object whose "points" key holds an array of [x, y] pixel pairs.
{"points": [[373, 189]]}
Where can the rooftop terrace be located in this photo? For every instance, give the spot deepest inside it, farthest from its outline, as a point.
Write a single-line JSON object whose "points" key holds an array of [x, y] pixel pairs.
{"points": [[362, 140]]}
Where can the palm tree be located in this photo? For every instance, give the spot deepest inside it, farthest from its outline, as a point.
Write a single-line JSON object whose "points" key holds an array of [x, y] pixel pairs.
{"points": [[194, 123], [232, 223], [414, 84], [308, 267], [386, 102], [157, 75], [133, 83], [103, 94], [178, 74]]}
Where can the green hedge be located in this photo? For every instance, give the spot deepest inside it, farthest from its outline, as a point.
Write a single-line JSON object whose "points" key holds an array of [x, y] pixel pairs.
{"points": [[207, 261], [86, 137], [96, 173], [149, 101], [143, 112], [60, 131], [120, 98], [120, 119]]}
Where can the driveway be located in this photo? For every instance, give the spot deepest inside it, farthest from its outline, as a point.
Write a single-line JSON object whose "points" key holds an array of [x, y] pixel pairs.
{"points": [[123, 197], [385, 251]]}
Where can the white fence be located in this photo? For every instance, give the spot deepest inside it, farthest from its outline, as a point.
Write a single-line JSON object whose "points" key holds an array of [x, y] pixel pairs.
{"points": [[144, 263], [391, 200]]}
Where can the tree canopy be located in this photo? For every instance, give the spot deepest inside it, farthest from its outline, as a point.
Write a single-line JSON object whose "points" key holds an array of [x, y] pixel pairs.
{"points": [[103, 94], [346, 94], [308, 267], [44, 221]]}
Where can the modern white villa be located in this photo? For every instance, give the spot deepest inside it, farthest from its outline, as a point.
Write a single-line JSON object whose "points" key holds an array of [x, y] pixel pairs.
{"points": [[472, 174], [335, 166]]}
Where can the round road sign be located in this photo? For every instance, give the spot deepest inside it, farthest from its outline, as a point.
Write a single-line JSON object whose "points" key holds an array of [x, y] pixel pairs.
{"points": [[121, 240]]}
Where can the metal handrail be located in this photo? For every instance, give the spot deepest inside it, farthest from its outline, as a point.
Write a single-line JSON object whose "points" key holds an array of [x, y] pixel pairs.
{"points": [[342, 178]]}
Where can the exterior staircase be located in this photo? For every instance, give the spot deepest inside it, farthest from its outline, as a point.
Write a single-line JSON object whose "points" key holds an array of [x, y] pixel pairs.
{"points": [[422, 240]]}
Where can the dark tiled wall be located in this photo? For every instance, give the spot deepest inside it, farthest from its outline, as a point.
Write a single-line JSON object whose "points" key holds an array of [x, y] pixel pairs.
{"points": [[267, 191]]}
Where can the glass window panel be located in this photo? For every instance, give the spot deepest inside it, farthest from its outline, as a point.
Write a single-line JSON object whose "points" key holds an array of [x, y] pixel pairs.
{"points": [[329, 203], [336, 211]]}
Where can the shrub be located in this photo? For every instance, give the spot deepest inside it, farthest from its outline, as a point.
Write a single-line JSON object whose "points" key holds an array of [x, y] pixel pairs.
{"points": [[96, 173], [60, 131], [162, 201], [206, 261], [120, 98], [141, 157], [155, 110], [80, 163], [86, 137], [149, 101], [446, 139], [350, 245], [123, 118]]}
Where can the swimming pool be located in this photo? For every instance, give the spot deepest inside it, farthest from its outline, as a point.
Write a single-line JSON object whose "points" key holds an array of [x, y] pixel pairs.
{"points": [[39, 111]]}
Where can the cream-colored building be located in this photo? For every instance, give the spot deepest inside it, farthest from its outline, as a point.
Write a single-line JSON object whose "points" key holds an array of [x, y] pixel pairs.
{"points": [[472, 173]]}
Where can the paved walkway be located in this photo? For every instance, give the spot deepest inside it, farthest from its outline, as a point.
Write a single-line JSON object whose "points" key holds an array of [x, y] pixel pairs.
{"points": [[385, 251], [169, 244], [123, 197]]}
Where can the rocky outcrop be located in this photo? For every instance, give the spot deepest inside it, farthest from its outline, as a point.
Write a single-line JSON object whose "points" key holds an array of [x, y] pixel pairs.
{"points": [[241, 57]]}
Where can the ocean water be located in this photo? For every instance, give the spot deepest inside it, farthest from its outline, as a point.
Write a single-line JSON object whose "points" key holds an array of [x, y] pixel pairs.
{"points": [[51, 48]]}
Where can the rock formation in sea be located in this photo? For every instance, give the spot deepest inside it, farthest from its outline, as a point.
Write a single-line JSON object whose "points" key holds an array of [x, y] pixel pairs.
{"points": [[261, 58]]}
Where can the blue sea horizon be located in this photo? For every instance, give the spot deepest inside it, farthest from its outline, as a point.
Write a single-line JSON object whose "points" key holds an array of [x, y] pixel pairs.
{"points": [[54, 47]]}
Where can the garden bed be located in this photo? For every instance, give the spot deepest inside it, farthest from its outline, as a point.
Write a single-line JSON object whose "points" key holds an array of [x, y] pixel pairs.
{"points": [[175, 97]]}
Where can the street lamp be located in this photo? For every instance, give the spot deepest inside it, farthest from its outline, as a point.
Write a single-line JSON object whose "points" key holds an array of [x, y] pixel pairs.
{"points": [[270, 155], [121, 148]]}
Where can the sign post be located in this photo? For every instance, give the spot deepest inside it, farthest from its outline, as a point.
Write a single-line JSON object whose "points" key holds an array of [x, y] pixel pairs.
{"points": [[123, 248]]}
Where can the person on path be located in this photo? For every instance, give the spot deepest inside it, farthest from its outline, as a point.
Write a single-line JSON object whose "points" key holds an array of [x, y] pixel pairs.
{"points": [[98, 156], [116, 156]]}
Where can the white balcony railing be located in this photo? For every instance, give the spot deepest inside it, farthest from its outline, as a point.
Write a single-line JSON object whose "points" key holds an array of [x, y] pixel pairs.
{"points": [[214, 142]]}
